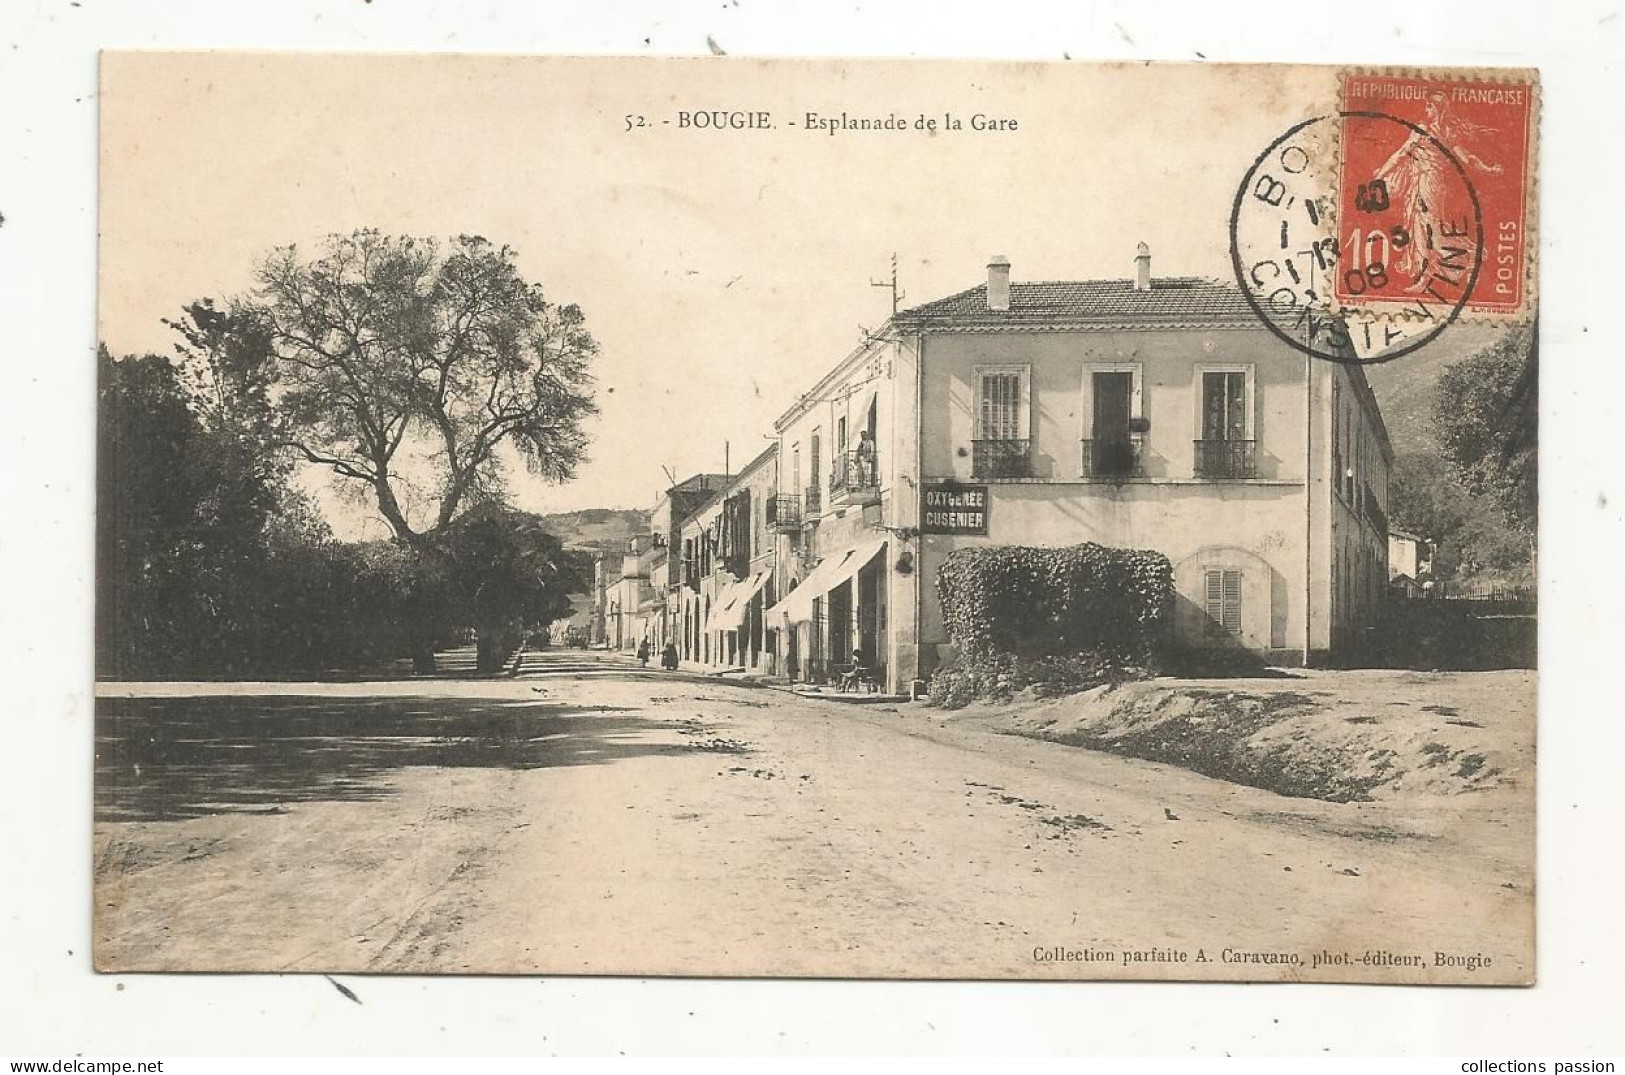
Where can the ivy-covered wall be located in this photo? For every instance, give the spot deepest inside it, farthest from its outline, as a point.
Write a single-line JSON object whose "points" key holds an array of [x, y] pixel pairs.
{"points": [[1087, 599]]}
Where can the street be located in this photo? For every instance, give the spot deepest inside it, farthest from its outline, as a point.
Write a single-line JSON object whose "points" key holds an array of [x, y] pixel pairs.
{"points": [[591, 817]]}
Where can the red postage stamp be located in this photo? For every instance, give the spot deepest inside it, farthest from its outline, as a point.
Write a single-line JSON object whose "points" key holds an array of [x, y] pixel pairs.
{"points": [[1434, 193]]}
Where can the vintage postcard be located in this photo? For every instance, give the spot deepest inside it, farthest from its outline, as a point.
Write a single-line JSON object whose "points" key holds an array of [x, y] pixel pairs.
{"points": [[730, 517]]}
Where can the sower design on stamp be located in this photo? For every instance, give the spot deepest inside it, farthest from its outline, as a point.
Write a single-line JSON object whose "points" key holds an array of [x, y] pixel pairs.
{"points": [[1407, 217]]}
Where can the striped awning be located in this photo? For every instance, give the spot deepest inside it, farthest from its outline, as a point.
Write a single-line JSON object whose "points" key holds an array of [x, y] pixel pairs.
{"points": [[728, 613], [832, 570]]}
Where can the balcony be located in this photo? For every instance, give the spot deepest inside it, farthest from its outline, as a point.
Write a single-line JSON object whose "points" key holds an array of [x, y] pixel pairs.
{"points": [[1118, 457], [1003, 458], [854, 479], [1374, 513], [783, 513], [812, 504], [1226, 459]]}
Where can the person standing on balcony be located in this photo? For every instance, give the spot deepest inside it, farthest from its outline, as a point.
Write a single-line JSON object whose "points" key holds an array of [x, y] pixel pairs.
{"points": [[865, 456]]}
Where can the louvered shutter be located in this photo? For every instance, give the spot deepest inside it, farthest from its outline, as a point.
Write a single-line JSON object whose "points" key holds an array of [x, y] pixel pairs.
{"points": [[1230, 618], [1222, 600]]}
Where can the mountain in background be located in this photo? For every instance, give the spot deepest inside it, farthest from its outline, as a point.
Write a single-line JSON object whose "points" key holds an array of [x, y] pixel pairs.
{"points": [[597, 530], [1405, 387]]}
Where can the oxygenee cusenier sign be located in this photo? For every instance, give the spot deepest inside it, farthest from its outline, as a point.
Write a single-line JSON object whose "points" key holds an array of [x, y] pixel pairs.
{"points": [[951, 508]]}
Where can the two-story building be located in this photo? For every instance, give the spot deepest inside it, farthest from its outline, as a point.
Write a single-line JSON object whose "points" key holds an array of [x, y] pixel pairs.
{"points": [[725, 577], [629, 594], [1143, 412]]}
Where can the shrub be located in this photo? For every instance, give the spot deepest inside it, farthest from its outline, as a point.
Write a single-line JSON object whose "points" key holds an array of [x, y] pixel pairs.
{"points": [[1032, 602], [1000, 677], [1050, 620]]}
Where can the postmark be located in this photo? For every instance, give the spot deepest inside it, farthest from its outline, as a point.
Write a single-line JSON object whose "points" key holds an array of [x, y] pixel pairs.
{"points": [[1293, 252], [1360, 236]]}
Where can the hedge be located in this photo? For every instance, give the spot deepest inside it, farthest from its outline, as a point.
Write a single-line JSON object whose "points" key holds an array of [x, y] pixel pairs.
{"points": [[1019, 616]]}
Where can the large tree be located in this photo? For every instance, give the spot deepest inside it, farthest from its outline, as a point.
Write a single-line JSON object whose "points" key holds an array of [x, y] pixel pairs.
{"points": [[187, 509], [1488, 411], [381, 345], [512, 577]]}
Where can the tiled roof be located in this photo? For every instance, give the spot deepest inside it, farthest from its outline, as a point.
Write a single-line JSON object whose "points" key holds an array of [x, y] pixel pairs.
{"points": [[1173, 298]]}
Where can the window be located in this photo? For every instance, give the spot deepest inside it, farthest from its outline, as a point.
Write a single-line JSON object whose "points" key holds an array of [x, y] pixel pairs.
{"points": [[1111, 413], [1224, 422], [1001, 403], [1223, 601], [1000, 448], [1337, 438], [1224, 406]]}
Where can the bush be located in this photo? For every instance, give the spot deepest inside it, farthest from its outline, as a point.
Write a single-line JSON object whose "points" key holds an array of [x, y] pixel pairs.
{"points": [[1000, 677], [1032, 602], [1050, 620]]}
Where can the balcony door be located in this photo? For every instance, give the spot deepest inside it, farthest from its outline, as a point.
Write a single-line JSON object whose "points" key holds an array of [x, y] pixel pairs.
{"points": [[1226, 447], [1000, 446], [1224, 406], [1113, 405]]}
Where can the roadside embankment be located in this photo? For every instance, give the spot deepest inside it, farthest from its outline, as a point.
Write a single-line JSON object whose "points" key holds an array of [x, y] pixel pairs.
{"points": [[1340, 736]]}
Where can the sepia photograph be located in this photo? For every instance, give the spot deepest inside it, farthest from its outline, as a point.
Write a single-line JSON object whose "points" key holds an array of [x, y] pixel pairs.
{"points": [[798, 518]]}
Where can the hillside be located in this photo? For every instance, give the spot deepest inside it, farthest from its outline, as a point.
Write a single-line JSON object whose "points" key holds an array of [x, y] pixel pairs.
{"points": [[599, 530], [596, 530], [1404, 387]]}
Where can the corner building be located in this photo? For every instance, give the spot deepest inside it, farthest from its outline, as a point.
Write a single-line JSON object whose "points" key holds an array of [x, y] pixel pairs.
{"points": [[1145, 412]]}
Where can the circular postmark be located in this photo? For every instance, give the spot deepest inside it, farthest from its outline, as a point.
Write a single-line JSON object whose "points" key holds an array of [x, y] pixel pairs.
{"points": [[1357, 237]]}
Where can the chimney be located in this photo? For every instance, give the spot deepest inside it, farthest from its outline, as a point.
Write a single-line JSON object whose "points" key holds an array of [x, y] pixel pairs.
{"points": [[998, 283], [1142, 268]]}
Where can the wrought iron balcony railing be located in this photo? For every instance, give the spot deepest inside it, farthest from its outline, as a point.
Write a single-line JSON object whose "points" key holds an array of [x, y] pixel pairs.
{"points": [[1226, 459], [783, 512], [1116, 457], [1374, 512], [853, 472], [1002, 458]]}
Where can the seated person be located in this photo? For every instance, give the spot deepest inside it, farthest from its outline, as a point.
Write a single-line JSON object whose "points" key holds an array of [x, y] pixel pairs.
{"points": [[856, 673]]}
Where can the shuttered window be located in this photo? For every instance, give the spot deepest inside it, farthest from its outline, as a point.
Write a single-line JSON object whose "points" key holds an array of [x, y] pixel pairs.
{"points": [[1224, 601], [1002, 406]]}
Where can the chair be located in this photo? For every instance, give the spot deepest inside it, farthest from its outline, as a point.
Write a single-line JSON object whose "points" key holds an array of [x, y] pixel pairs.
{"points": [[857, 676]]}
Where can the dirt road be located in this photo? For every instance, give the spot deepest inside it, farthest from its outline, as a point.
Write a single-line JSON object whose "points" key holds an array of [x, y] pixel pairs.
{"points": [[604, 820]]}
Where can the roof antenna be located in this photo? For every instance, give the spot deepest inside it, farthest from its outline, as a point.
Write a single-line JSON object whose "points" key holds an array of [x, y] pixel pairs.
{"points": [[896, 295]]}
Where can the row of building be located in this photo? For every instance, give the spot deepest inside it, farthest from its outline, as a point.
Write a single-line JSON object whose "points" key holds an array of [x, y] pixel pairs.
{"points": [[1144, 412]]}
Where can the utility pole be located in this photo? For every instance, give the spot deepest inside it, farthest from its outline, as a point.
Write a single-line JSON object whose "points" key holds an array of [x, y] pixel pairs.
{"points": [[896, 295]]}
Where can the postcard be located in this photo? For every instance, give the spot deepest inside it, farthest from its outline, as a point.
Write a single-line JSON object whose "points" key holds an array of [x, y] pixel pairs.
{"points": [[792, 518]]}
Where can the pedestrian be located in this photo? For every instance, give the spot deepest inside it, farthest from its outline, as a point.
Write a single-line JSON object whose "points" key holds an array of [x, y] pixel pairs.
{"points": [[668, 659], [643, 653]]}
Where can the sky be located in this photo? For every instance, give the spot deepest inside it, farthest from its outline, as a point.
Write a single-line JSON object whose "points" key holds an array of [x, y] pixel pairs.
{"points": [[722, 272]]}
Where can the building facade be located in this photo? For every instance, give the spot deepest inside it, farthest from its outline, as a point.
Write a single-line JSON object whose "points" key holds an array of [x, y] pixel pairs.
{"points": [[1146, 412], [725, 578], [1143, 413]]}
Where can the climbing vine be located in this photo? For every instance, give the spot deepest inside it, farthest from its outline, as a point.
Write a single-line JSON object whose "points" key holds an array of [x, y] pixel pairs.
{"points": [[1086, 608]]}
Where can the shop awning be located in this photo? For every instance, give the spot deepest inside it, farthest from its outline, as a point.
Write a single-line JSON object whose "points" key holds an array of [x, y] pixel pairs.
{"points": [[728, 613], [832, 570]]}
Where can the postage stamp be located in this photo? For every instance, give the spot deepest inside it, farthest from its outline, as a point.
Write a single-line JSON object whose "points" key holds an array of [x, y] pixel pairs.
{"points": [[1435, 192]]}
